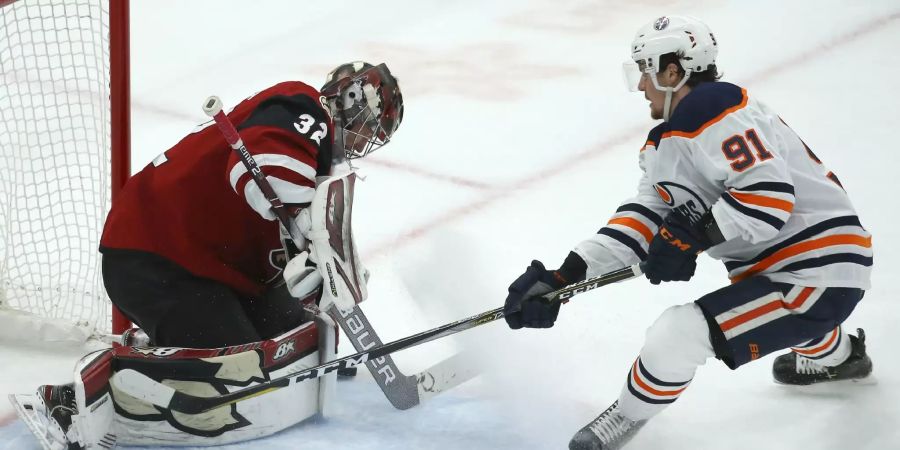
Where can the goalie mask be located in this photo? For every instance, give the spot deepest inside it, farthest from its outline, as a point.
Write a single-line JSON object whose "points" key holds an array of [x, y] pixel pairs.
{"points": [[366, 101]]}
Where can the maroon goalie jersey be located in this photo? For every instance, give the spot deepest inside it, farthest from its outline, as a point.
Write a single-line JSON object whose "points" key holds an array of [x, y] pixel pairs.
{"points": [[197, 205]]}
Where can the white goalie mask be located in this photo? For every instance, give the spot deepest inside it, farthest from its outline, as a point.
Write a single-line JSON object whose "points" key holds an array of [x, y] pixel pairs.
{"points": [[367, 102], [689, 39]]}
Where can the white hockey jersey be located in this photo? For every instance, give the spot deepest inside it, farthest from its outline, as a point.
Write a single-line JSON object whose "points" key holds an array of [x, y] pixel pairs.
{"points": [[782, 213]]}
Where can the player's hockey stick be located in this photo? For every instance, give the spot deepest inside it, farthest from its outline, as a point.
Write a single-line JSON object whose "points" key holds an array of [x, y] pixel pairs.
{"points": [[403, 391], [145, 388]]}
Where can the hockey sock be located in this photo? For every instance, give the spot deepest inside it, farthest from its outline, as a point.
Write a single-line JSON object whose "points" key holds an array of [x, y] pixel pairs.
{"points": [[677, 343], [829, 350]]}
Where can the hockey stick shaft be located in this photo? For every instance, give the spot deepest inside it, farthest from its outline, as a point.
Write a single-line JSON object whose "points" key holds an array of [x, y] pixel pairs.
{"points": [[565, 293], [143, 387], [213, 108]]}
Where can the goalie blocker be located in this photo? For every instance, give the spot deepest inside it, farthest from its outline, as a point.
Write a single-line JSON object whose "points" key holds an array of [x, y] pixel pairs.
{"points": [[326, 224], [102, 414]]}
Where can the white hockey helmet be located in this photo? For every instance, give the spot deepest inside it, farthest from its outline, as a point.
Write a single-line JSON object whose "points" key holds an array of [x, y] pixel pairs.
{"points": [[688, 38]]}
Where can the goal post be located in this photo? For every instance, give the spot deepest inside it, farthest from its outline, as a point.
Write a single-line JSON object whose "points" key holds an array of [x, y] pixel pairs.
{"points": [[120, 108], [64, 153]]}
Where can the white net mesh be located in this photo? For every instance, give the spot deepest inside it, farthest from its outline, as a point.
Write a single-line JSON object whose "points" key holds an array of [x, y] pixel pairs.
{"points": [[54, 158]]}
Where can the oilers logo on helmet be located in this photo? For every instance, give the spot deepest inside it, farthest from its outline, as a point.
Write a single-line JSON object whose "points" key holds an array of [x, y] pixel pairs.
{"points": [[661, 23]]}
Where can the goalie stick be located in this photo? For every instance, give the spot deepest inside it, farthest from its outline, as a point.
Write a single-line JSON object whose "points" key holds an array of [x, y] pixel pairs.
{"points": [[145, 388], [402, 391]]}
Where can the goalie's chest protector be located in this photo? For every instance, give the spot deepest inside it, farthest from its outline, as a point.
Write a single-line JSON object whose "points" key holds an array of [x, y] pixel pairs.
{"points": [[191, 204]]}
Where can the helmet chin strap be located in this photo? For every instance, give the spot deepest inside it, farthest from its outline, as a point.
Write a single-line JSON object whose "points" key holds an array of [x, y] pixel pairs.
{"points": [[668, 104]]}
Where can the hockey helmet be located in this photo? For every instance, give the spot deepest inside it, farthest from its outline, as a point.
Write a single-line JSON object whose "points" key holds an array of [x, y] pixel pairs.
{"points": [[688, 38], [367, 102]]}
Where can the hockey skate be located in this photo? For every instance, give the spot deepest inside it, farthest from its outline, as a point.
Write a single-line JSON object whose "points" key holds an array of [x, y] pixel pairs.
{"points": [[48, 414], [797, 370], [609, 431]]}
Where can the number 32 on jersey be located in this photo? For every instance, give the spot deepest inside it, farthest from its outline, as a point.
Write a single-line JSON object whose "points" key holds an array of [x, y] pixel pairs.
{"points": [[305, 123]]}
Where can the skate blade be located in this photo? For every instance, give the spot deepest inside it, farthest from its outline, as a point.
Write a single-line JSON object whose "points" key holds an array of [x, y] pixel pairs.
{"points": [[24, 406], [870, 380]]}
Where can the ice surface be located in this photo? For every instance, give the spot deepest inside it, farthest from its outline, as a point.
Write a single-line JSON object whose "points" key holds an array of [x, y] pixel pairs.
{"points": [[519, 140]]}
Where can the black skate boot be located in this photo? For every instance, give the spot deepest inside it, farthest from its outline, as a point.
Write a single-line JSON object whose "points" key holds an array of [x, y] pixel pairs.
{"points": [[609, 431], [56, 405], [797, 370]]}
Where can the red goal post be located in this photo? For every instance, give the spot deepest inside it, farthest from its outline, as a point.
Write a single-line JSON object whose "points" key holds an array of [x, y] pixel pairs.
{"points": [[64, 153]]}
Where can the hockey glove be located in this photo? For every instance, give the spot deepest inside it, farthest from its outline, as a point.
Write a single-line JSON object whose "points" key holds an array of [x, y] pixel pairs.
{"points": [[525, 306], [672, 255], [300, 276]]}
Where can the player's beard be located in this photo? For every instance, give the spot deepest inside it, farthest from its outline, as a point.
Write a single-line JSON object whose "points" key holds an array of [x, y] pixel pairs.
{"points": [[655, 113]]}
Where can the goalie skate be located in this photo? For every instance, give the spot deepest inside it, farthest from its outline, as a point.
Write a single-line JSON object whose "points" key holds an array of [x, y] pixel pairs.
{"points": [[48, 415]]}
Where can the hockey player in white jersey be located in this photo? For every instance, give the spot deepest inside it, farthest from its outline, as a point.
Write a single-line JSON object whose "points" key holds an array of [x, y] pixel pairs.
{"points": [[724, 175]]}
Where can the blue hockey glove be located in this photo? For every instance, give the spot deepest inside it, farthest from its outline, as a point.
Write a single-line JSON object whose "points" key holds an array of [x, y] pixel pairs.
{"points": [[672, 255], [525, 306]]}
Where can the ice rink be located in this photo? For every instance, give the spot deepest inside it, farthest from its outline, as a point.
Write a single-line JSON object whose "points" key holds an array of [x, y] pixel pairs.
{"points": [[519, 140]]}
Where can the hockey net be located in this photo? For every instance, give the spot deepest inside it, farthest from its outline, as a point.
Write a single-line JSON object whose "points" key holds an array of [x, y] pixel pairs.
{"points": [[58, 162]]}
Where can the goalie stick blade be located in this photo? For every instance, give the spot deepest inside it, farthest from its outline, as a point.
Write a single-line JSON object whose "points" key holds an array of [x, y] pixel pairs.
{"points": [[402, 391], [144, 388]]}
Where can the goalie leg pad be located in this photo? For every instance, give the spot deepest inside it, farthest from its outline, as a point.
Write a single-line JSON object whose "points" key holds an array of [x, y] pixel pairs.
{"points": [[207, 372]]}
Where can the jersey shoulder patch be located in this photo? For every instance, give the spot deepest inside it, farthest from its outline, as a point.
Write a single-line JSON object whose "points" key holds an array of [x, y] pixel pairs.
{"points": [[706, 104]]}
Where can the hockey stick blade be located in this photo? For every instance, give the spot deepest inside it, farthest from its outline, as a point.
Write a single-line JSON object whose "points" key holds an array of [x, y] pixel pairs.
{"points": [[143, 387], [444, 375]]}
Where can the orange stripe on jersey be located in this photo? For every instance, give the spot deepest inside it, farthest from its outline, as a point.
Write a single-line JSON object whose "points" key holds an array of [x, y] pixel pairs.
{"points": [[761, 200], [650, 389], [813, 351], [765, 309], [802, 247], [712, 122], [634, 224]]}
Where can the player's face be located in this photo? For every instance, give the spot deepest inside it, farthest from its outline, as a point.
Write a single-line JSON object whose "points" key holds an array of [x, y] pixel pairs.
{"points": [[657, 97], [358, 136]]}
